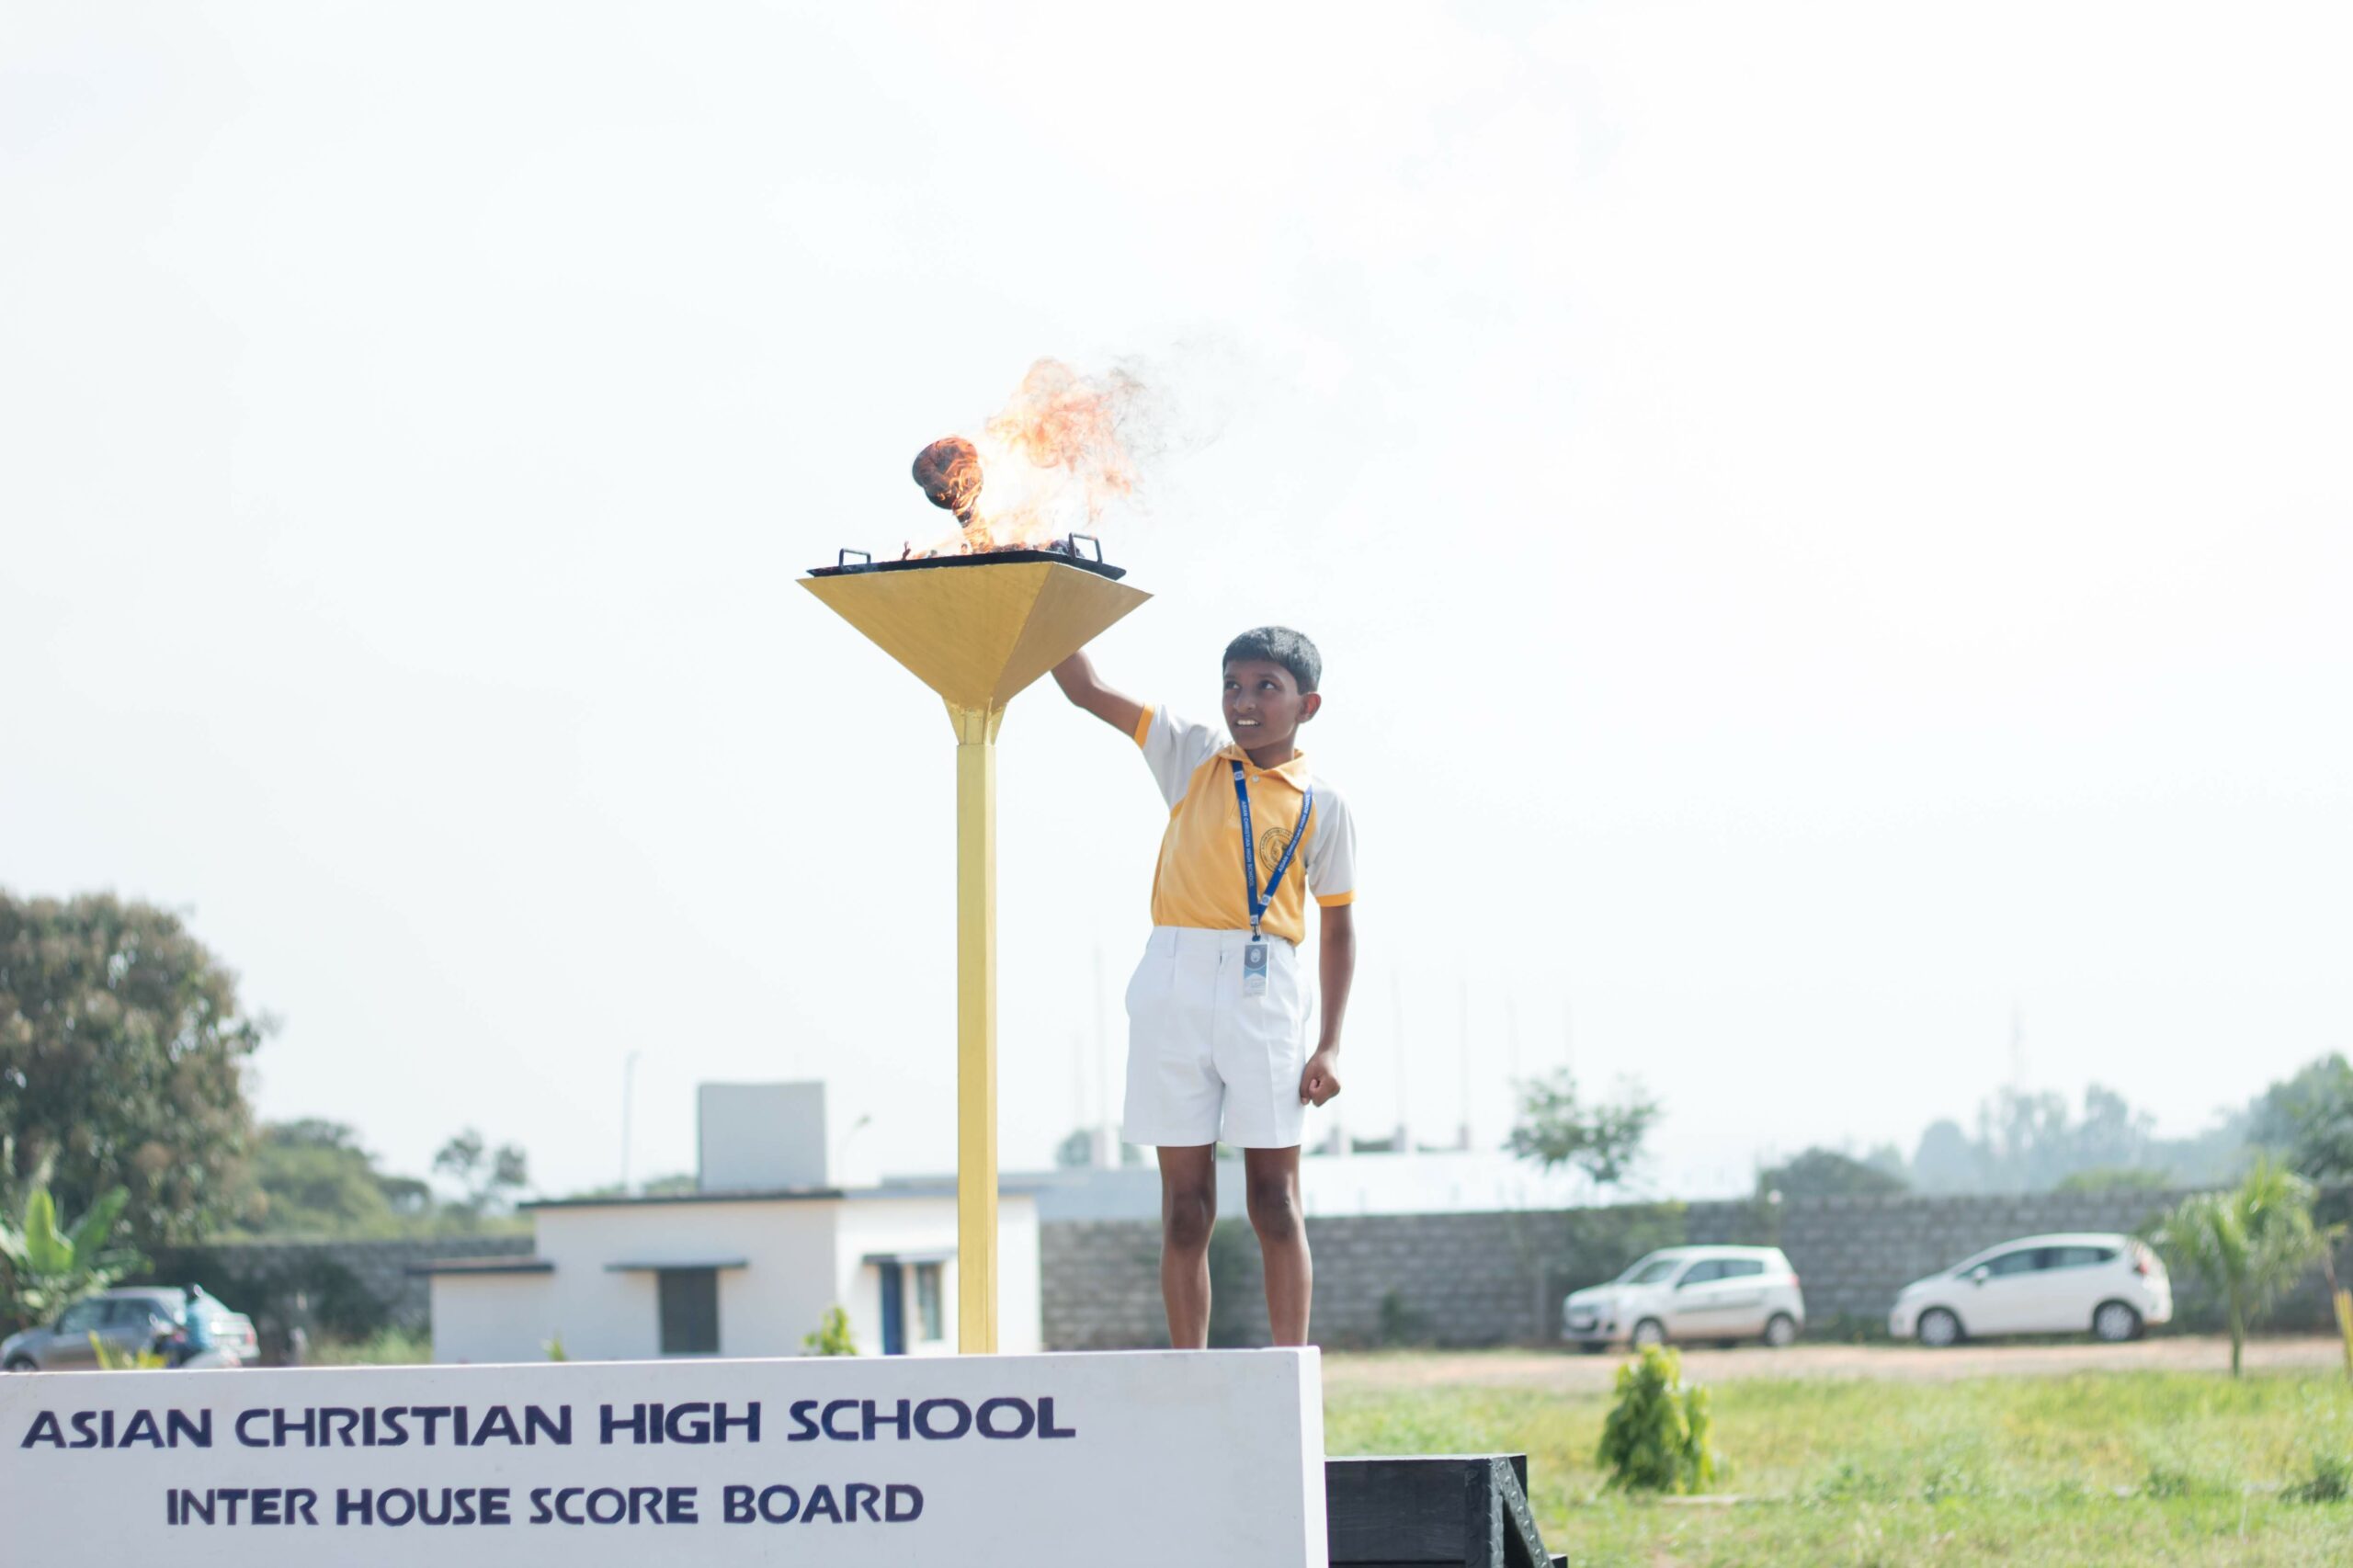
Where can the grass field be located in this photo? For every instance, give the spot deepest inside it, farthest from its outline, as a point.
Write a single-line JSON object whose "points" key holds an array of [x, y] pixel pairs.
{"points": [[2087, 1468]]}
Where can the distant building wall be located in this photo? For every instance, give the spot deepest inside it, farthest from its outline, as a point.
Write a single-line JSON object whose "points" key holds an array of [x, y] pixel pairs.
{"points": [[1496, 1279]]}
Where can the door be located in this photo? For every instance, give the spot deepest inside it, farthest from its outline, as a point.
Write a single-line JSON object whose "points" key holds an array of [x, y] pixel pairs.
{"points": [[894, 1308], [2075, 1283], [1693, 1309], [134, 1324], [1740, 1295], [2005, 1292], [69, 1343]]}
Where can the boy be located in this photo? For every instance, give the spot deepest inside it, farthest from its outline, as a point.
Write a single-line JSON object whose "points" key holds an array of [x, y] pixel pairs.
{"points": [[1217, 1015]]}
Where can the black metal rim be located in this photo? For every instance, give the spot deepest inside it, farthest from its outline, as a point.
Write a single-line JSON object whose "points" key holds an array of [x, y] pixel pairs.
{"points": [[986, 558]]}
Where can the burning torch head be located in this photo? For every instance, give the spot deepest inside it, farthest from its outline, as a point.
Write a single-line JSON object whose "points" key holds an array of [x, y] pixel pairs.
{"points": [[950, 472]]}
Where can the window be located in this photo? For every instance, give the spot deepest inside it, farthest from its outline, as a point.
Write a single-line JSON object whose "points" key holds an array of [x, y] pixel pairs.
{"points": [[2025, 1260], [927, 1319], [82, 1317], [2079, 1257], [1705, 1272], [1651, 1271], [1741, 1267], [689, 1311]]}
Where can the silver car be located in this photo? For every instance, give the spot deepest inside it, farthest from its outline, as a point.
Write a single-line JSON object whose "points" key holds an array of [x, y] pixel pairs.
{"points": [[190, 1326]]}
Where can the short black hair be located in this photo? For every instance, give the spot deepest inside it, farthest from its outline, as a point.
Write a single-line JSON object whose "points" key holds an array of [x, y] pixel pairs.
{"points": [[1280, 645]]}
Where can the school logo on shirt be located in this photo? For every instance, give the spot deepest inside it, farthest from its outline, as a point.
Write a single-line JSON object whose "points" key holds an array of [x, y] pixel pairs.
{"points": [[1271, 844]]}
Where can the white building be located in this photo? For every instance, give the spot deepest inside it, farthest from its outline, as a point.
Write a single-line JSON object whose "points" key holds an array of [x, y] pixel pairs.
{"points": [[745, 1264]]}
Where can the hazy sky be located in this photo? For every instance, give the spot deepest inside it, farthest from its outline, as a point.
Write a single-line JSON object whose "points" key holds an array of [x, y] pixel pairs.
{"points": [[1824, 522]]}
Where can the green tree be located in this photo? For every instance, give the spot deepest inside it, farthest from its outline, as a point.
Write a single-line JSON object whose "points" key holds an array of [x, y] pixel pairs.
{"points": [[2308, 1121], [2250, 1243], [1556, 1127], [122, 1060], [2115, 1179], [44, 1269], [490, 1179], [312, 1177], [1822, 1172]]}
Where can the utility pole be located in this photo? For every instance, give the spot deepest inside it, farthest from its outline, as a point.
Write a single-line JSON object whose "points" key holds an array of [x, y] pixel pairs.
{"points": [[1105, 1144], [1462, 1053], [628, 1095], [1397, 1028]]}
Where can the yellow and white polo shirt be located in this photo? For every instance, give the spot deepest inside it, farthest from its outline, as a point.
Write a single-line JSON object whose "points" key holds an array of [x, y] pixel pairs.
{"points": [[1199, 881]]}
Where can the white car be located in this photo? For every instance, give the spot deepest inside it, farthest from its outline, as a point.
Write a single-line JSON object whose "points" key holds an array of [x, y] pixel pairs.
{"points": [[1726, 1294], [2110, 1284]]}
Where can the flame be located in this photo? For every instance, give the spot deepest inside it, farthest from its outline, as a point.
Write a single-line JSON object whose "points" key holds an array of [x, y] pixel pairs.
{"points": [[1053, 461]]}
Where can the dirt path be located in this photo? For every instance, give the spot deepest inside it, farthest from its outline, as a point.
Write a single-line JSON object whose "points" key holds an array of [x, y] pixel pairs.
{"points": [[1571, 1371]]}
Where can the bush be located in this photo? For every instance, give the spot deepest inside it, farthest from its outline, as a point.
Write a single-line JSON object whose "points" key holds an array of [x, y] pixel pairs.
{"points": [[831, 1337], [385, 1347], [2330, 1481], [1399, 1323], [1656, 1436]]}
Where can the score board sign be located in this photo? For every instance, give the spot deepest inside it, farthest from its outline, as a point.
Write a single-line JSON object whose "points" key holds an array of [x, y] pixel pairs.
{"points": [[1145, 1457]]}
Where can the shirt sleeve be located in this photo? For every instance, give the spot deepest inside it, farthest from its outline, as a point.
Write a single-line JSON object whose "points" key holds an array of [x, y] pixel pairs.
{"points": [[1332, 850], [1173, 749]]}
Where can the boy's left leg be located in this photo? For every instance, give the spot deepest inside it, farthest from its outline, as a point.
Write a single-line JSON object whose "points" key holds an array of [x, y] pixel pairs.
{"points": [[1273, 1178]]}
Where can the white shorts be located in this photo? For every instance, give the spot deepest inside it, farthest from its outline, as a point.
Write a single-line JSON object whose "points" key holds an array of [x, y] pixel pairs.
{"points": [[1206, 1063]]}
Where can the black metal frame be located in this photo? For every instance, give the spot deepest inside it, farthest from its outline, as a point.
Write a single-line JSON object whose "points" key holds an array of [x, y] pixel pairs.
{"points": [[1068, 556]]}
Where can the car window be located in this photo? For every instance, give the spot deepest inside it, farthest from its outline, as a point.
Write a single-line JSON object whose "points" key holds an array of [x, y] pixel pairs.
{"points": [[2079, 1257], [2025, 1260], [1741, 1267], [1701, 1273], [131, 1311], [82, 1317], [1651, 1273]]}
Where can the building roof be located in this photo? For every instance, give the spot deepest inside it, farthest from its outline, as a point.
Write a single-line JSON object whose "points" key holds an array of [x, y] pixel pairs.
{"points": [[749, 1195], [493, 1265], [943, 1187]]}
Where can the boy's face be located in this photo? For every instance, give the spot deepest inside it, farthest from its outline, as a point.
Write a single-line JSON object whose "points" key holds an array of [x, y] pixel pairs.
{"points": [[1264, 706]]}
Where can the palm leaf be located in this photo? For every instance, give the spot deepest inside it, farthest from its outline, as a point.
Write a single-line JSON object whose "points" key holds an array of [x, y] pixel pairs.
{"points": [[90, 1231], [46, 1252]]}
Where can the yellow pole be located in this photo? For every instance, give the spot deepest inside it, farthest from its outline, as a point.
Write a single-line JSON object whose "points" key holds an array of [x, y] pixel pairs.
{"points": [[976, 1272]]}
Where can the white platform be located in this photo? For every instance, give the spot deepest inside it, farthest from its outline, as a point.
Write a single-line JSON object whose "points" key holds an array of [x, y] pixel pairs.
{"points": [[1138, 1458]]}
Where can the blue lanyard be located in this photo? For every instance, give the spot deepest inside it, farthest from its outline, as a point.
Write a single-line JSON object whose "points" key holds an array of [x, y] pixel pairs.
{"points": [[1261, 902]]}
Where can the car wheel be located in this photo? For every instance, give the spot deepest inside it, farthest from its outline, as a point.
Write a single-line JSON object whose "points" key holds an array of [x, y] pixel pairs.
{"points": [[1939, 1328], [22, 1364], [1781, 1331], [2115, 1322], [1649, 1331]]}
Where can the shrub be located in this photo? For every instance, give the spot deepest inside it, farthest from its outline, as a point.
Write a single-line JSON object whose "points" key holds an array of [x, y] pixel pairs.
{"points": [[112, 1359], [385, 1347], [831, 1337], [1656, 1436], [2330, 1481], [1399, 1323]]}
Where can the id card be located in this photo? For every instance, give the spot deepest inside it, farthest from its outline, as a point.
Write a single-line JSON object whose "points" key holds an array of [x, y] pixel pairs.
{"points": [[1254, 968]]}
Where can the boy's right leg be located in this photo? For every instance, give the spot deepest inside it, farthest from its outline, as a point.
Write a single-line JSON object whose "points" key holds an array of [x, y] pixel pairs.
{"points": [[1187, 1214]]}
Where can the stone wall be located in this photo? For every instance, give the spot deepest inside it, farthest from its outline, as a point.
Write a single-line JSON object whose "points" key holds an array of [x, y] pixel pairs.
{"points": [[1496, 1279]]}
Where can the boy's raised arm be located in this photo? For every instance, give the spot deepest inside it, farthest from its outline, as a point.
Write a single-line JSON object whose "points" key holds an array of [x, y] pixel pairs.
{"points": [[1076, 676]]}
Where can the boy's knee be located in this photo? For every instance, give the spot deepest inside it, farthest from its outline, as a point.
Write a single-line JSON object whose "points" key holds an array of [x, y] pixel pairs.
{"points": [[1188, 1217], [1274, 1208]]}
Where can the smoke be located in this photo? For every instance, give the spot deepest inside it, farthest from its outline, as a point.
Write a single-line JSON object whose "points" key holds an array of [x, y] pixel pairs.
{"points": [[1072, 448]]}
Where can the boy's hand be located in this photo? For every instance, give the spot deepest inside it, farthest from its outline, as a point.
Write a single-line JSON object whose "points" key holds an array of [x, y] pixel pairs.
{"points": [[1320, 1082]]}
